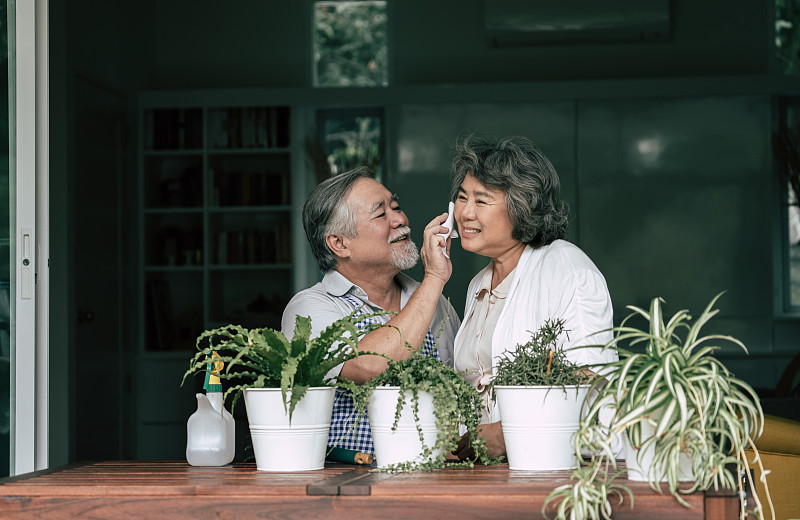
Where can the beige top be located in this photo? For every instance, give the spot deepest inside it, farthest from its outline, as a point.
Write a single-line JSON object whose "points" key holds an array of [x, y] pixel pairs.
{"points": [[474, 344]]}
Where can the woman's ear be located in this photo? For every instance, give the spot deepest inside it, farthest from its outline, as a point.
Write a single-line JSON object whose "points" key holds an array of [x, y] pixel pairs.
{"points": [[338, 245]]}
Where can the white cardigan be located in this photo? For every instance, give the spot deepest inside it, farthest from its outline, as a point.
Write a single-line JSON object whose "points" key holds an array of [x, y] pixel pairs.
{"points": [[550, 282]]}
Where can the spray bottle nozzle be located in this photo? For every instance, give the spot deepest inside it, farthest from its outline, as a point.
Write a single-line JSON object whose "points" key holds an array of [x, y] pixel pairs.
{"points": [[213, 368]]}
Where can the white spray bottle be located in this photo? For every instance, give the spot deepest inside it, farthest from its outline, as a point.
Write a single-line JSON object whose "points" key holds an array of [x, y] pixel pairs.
{"points": [[210, 431]]}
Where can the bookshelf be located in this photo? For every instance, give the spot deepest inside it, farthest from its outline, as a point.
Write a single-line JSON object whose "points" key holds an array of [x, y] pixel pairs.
{"points": [[216, 220]]}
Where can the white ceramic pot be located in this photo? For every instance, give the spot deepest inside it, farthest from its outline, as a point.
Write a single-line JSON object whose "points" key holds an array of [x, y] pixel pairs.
{"points": [[640, 461], [538, 425], [402, 444], [281, 446]]}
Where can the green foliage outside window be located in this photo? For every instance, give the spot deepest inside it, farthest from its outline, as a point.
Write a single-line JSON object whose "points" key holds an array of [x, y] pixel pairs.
{"points": [[352, 140], [350, 44], [787, 35]]}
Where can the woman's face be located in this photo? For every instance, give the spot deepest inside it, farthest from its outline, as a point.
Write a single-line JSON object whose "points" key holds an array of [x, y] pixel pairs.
{"points": [[482, 219]]}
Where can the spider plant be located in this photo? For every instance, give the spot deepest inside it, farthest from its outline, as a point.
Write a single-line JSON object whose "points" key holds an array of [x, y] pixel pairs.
{"points": [[588, 497], [672, 398]]}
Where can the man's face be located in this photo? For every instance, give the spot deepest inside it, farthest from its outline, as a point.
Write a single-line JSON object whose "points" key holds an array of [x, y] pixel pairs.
{"points": [[383, 236]]}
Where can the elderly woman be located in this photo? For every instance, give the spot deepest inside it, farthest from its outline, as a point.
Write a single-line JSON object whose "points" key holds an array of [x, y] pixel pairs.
{"points": [[507, 208]]}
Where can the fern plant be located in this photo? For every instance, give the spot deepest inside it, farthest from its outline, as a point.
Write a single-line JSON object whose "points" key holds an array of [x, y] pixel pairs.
{"points": [[265, 358]]}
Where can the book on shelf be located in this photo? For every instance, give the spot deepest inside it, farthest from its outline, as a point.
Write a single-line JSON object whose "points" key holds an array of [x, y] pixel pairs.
{"points": [[253, 246], [222, 248], [262, 140], [237, 188], [249, 127], [173, 129], [218, 132]]}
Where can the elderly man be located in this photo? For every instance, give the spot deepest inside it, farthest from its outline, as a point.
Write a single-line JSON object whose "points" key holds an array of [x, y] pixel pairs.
{"points": [[361, 240]]}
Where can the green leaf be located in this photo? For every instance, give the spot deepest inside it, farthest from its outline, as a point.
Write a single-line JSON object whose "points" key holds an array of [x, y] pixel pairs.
{"points": [[302, 333]]}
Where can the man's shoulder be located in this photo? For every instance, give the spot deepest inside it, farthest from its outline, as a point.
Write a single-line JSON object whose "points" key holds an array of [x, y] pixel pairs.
{"points": [[315, 292], [315, 302], [315, 297]]}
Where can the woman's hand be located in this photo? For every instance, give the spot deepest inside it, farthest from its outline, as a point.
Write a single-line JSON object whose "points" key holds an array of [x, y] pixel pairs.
{"points": [[492, 434], [433, 258]]}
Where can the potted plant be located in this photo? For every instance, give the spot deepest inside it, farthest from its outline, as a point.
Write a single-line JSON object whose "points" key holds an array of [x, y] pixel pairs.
{"points": [[287, 394], [686, 417], [540, 393], [417, 408]]}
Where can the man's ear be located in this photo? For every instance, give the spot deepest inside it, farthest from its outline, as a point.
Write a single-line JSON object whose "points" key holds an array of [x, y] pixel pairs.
{"points": [[338, 245]]}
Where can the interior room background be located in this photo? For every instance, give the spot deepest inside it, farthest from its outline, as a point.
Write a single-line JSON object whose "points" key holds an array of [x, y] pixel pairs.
{"points": [[663, 148]]}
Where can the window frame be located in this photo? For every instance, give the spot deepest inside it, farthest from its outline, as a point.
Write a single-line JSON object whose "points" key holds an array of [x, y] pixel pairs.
{"points": [[379, 112], [29, 174], [784, 307]]}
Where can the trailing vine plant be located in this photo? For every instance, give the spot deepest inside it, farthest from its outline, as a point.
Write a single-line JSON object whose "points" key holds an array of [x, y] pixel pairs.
{"points": [[456, 403]]}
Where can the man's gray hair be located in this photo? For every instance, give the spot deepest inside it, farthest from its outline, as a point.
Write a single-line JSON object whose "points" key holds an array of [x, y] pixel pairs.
{"points": [[327, 211]]}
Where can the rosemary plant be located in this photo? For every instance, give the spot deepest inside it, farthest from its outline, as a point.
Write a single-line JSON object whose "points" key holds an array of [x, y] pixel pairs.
{"points": [[265, 358], [668, 378], [540, 361]]}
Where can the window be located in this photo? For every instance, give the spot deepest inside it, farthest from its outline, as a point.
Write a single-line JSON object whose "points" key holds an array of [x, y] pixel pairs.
{"points": [[787, 35], [787, 154], [349, 138], [350, 44]]}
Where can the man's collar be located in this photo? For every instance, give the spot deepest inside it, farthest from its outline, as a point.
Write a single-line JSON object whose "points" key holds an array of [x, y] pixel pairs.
{"points": [[336, 284]]}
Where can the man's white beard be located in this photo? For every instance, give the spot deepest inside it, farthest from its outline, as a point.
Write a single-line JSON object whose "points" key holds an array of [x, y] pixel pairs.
{"points": [[405, 257]]}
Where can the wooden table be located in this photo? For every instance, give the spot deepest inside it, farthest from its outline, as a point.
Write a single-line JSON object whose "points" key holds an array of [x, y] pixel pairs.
{"points": [[172, 490]]}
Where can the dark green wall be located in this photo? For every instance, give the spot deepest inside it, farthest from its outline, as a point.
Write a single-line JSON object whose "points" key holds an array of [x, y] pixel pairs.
{"points": [[200, 43]]}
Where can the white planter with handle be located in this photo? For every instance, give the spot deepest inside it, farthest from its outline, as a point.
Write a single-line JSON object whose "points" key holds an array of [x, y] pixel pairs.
{"points": [[283, 446], [538, 425], [639, 461], [401, 444]]}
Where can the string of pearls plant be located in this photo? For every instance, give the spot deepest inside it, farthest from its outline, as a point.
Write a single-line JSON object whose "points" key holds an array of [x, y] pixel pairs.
{"points": [[456, 404]]}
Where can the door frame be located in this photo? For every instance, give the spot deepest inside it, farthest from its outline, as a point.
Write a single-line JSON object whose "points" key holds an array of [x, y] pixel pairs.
{"points": [[29, 205]]}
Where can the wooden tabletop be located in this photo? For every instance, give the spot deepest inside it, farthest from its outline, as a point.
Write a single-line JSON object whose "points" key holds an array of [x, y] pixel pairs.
{"points": [[172, 490]]}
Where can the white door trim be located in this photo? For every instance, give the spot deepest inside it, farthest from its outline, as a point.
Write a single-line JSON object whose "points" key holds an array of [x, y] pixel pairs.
{"points": [[29, 169]]}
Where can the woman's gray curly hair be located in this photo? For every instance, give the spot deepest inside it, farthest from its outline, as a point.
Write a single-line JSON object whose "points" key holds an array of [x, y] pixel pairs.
{"points": [[530, 183]]}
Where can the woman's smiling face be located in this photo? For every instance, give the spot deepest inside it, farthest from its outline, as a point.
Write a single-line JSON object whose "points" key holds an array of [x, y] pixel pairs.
{"points": [[482, 218]]}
